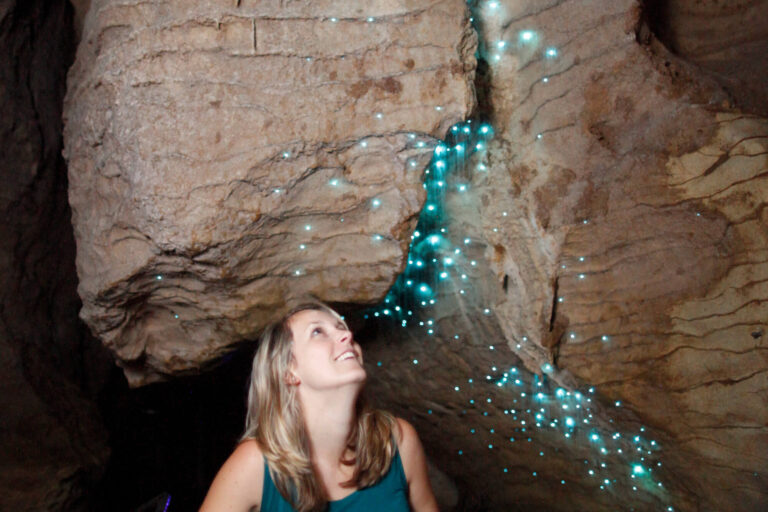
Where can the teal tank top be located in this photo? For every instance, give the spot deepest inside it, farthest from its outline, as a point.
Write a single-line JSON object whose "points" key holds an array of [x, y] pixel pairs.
{"points": [[390, 494]]}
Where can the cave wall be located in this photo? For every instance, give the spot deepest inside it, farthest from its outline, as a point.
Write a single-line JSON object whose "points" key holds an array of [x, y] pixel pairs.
{"points": [[624, 206], [52, 443], [201, 141], [727, 41]]}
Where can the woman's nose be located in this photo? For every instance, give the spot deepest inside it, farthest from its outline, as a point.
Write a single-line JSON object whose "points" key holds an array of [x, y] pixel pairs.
{"points": [[345, 337]]}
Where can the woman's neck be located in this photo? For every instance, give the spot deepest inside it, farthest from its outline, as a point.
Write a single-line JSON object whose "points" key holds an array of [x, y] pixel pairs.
{"points": [[329, 418]]}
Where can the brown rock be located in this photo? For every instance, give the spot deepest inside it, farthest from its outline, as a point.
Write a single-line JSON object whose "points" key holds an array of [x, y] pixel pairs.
{"points": [[52, 443], [224, 158], [727, 41], [626, 215], [621, 218]]}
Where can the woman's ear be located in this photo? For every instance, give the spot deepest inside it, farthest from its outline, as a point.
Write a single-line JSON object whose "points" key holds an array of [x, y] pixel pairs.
{"points": [[290, 374], [291, 379]]}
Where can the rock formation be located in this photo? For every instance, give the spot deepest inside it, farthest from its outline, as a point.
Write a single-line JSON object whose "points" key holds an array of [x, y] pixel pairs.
{"points": [[223, 158], [52, 444], [623, 208]]}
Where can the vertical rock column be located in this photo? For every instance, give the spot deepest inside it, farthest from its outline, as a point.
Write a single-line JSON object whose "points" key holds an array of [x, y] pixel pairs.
{"points": [[223, 159]]}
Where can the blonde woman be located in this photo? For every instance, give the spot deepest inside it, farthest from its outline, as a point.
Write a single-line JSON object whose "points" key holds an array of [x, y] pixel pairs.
{"points": [[311, 443]]}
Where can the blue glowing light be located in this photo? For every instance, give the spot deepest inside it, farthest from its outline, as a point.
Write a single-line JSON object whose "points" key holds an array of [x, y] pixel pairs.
{"points": [[527, 36]]}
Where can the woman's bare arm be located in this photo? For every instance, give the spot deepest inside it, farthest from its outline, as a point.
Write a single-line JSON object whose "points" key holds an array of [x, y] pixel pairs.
{"points": [[415, 465], [238, 484]]}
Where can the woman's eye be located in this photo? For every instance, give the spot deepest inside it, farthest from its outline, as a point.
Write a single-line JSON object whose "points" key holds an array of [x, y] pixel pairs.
{"points": [[316, 331]]}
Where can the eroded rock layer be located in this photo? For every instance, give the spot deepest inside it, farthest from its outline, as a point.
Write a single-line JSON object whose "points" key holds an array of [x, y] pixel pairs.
{"points": [[224, 158], [625, 211]]}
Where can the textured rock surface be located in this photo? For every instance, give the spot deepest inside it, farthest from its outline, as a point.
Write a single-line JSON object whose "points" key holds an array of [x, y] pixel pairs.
{"points": [[621, 216], [201, 143], [635, 256], [52, 443], [728, 40]]}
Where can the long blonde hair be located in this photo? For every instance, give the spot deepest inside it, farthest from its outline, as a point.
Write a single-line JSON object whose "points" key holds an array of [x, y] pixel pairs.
{"points": [[275, 421]]}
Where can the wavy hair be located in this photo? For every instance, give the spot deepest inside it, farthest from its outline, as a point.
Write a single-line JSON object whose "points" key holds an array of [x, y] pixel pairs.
{"points": [[275, 420]]}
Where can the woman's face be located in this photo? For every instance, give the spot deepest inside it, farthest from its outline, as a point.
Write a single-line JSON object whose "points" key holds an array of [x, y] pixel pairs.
{"points": [[325, 355]]}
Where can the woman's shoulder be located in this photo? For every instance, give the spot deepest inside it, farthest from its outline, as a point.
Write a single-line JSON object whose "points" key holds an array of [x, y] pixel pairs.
{"points": [[415, 467], [404, 432], [408, 443], [248, 451], [239, 482]]}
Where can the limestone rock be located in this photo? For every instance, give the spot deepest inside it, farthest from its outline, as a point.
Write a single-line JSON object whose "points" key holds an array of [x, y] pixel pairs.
{"points": [[624, 207], [728, 41], [224, 158]]}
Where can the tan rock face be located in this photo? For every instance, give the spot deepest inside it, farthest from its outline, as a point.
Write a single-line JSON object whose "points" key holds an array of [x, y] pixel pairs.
{"points": [[225, 158], [634, 239]]}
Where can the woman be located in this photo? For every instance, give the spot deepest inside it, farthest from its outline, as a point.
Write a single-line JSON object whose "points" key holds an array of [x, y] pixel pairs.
{"points": [[311, 443]]}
